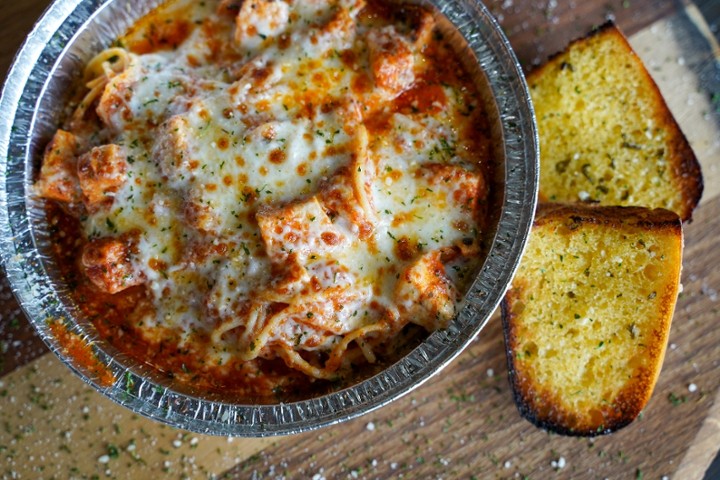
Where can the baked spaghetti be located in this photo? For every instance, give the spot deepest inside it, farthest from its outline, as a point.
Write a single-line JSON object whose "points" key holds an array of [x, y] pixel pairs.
{"points": [[254, 196]]}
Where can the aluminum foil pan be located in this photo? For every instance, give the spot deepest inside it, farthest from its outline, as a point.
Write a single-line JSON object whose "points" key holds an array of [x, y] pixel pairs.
{"points": [[66, 37]]}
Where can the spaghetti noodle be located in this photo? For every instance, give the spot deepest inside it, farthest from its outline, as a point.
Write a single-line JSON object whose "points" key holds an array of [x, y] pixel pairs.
{"points": [[98, 72]]}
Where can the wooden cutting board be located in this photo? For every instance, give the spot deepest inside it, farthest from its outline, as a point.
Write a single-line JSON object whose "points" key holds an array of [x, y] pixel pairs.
{"points": [[462, 423]]}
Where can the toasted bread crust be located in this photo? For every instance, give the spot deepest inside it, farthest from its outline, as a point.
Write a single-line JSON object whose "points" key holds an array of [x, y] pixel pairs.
{"points": [[632, 349], [579, 214], [684, 183]]}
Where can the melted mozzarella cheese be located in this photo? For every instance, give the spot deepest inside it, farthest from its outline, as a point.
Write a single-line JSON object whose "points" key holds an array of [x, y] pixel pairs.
{"points": [[266, 214]]}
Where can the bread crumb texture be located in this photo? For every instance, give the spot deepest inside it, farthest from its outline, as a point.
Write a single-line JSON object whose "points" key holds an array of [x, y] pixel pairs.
{"points": [[588, 314], [606, 134]]}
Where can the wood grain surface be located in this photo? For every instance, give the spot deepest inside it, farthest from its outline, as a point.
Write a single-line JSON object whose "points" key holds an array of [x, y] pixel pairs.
{"points": [[462, 423]]}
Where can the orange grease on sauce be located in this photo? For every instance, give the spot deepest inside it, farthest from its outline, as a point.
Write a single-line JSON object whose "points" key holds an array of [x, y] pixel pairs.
{"points": [[80, 351], [160, 34]]}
